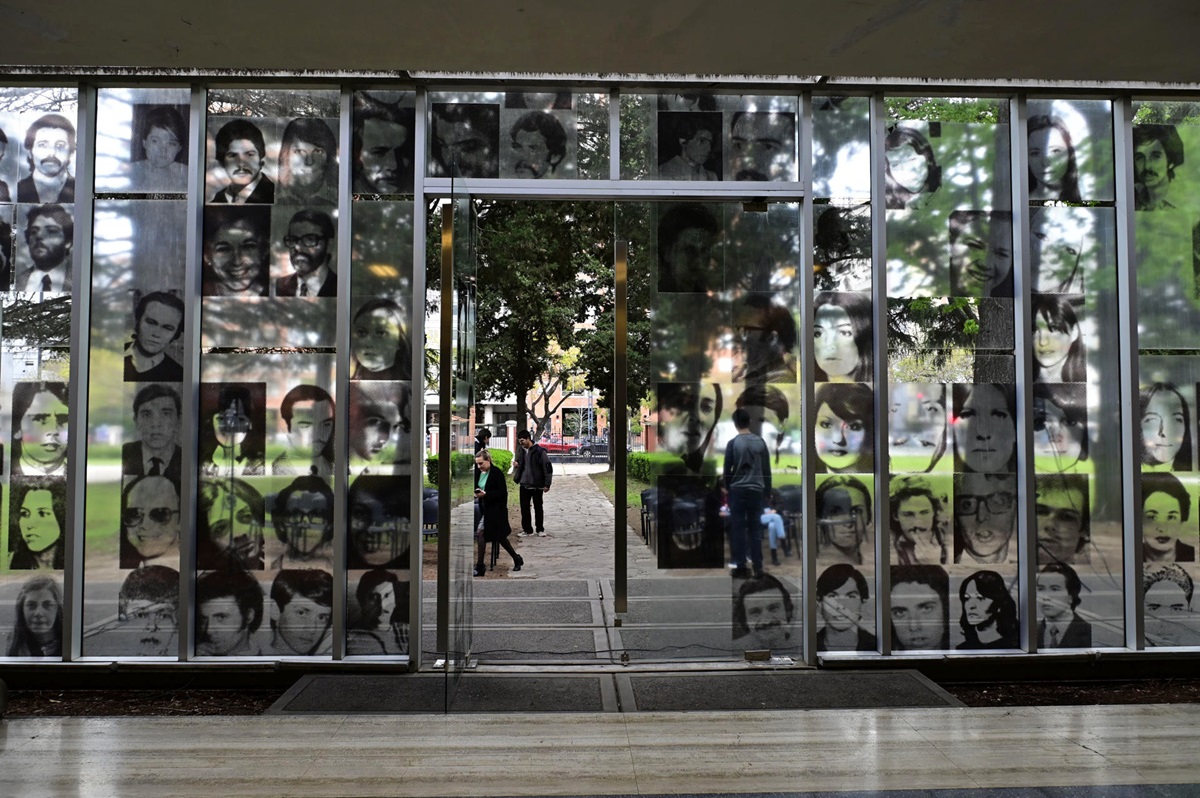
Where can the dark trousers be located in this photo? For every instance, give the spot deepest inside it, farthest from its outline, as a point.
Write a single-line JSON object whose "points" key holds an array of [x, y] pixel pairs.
{"points": [[533, 495], [745, 526]]}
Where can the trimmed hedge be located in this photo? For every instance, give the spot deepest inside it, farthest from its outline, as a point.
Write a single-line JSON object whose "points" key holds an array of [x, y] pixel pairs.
{"points": [[461, 463], [645, 466]]}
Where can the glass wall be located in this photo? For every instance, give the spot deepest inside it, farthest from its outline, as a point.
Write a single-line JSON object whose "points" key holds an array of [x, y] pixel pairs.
{"points": [[243, 213]]}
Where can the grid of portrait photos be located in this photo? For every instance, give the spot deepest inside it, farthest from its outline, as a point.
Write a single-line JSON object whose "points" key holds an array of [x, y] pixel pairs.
{"points": [[724, 338], [524, 135], [1165, 144], [37, 220], [711, 137], [953, 489]]}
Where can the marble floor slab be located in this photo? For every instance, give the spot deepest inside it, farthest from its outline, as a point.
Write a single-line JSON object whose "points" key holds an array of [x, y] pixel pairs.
{"points": [[1049, 752]]}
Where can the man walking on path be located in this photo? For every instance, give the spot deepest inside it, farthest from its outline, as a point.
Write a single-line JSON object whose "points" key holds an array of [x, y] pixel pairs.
{"points": [[533, 473], [748, 481]]}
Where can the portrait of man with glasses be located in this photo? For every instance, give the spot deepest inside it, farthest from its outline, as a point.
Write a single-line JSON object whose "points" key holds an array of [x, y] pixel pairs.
{"points": [[150, 522], [310, 248], [984, 517]]}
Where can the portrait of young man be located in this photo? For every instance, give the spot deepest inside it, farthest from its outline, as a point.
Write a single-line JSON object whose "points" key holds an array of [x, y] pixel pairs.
{"points": [[382, 146], [157, 323], [229, 611], [49, 148], [40, 420], [147, 607], [537, 147], [307, 413], [762, 146], [45, 261], [466, 139], [302, 613], [303, 519], [310, 246], [689, 146], [241, 152], [237, 249], [156, 452], [150, 522]]}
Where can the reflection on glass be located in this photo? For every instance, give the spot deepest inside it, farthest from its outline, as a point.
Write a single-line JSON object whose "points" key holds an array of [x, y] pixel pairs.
{"points": [[911, 171], [844, 520], [844, 431], [231, 518], [465, 140], [307, 164], [918, 427], [384, 134], [1166, 428], [379, 342], [985, 431], [302, 516]]}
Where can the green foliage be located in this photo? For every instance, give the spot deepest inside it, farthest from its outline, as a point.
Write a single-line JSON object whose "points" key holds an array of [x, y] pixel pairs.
{"points": [[947, 109], [462, 463], [644, 466]]}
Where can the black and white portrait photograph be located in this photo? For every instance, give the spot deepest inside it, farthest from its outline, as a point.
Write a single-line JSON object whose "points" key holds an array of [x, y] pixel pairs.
{"points": [[380, 429], [988, 614], [158, 158], [150, 522], [1063, 518], [981, 258], [762, 146], [985, 427], [911, 172], [1070, 150], [1169, 527], [844, 428], [920, 521], [238, 174], [689, 249], [842, 344], [37, 522], [764, 615], [153, 354], [232, 428], [384, 134], [690, 101], [689, 145], [148, 613], [843, 597], [37, 624], [1166, 422], [1060, 427], [466, 140], [918, 433], [1059, 594], [688, 413], [237, 251], [1067, 248], [302, 517], [1157, 153], [379, 522], [765, 340], [1168, 590], [230, 519], [44, 240], [229, 614], [845, 520], [920, 601], [309, 250], [538, 145], [379, 615], [47, 174], [308, 166], [39, 429], [307, 415], [9, 155], [301, 611], [6, 246], [379, 343], [691, 531], [157, 411], [985, 518], [1058, 347]]}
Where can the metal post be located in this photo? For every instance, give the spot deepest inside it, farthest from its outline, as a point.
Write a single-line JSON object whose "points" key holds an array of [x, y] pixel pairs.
{"points": [[808, 539], [341, 386], [618, 427], [879, 294]]}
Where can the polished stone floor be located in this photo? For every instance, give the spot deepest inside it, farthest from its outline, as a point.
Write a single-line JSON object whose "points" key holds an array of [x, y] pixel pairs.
{"points": [[971, 752]]}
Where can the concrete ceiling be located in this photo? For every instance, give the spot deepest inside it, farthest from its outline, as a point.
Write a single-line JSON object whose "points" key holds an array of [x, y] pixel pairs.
{"points": [[1060, 40]]}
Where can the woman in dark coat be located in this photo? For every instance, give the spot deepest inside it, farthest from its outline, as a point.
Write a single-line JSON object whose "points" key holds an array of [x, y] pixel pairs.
{"points": [[491, 512]]}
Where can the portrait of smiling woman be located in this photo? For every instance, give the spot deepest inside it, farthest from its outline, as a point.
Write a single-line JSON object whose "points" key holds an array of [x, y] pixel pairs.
{"points": [[845, 429], [842, 337]]}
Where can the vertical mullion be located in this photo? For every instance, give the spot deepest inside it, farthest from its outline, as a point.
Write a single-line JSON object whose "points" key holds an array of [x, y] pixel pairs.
{"points": [[1127, 325], [618, 427], [190, 388], [883, 543], [1023, 320], [341, 472], [81, 281], [808, 542], [417, 408], [614, 142]]}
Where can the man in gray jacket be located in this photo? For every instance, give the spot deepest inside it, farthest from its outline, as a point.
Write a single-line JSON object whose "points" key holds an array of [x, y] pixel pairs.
{"points": [[533, 472], [748, 481]]}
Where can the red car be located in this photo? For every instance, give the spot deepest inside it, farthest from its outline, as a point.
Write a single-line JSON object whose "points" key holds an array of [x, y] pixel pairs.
{"points": [[557, 446]]}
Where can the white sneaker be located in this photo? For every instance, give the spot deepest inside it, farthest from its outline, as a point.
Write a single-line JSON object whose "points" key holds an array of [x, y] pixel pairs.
{"points": [[541, 534], [525, 534]]}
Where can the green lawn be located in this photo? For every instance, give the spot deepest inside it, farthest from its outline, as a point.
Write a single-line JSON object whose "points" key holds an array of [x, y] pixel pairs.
{"points": [[607, 482]]}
